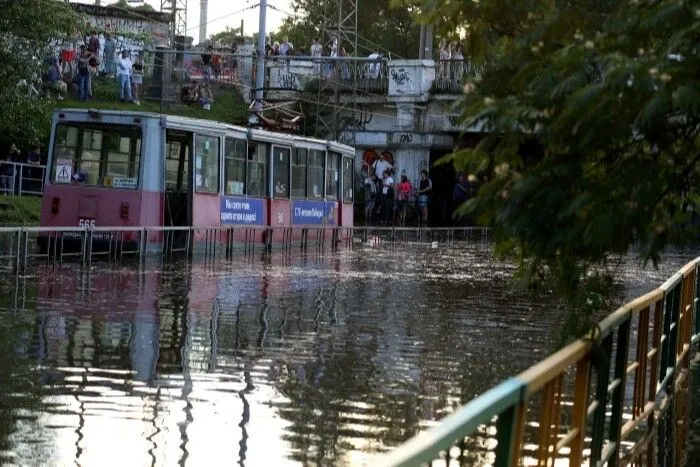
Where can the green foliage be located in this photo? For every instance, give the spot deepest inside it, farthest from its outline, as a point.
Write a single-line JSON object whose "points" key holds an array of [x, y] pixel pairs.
{"points": [[19, 210], [380, 28], [226, 38], [593, 129], [26, 28], [125, 4]]}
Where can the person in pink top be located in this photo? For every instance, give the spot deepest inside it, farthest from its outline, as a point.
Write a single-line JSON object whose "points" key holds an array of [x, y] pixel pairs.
{"points": [[403, 192]]}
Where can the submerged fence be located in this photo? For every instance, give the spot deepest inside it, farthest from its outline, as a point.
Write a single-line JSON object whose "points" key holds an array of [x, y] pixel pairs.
{"points": [[20, 246], [619, 396]]}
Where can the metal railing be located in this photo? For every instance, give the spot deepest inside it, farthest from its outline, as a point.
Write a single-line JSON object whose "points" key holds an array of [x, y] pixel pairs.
{"points": [[166, 72], [20, 179], [616, 396], [19, 246], [451, 75]]}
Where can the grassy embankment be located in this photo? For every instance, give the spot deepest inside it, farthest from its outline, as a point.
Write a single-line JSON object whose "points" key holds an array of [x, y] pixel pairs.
{"points": [[19, 210], [228, 107]]}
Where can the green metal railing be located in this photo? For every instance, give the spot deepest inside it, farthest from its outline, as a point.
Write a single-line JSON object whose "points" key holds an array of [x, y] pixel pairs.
{"points": [[618, 396]]}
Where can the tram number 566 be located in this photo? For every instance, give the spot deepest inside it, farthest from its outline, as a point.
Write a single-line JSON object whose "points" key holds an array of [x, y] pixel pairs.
{"points": [[87, 223]]}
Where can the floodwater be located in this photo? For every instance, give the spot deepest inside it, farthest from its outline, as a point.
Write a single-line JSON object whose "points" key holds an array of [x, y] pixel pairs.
{"points": [[300, 359]]}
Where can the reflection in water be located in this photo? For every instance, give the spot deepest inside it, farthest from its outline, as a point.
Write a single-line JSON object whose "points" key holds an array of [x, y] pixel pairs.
{"points": [[282, 360]]}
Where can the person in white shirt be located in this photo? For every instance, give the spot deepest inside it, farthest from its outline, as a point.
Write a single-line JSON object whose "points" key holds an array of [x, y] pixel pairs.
{"points": [[380, 166], [388, 197], [316, 48], [316, 51], [375, 68], [286, 48], [124, 66]]}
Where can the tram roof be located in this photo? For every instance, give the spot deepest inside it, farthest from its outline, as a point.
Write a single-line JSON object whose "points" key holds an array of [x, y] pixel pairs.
{"points": [[200, 123]]}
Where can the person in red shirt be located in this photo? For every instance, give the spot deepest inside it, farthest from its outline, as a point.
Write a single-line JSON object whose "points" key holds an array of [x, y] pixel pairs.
{"points": [[403, 192]]}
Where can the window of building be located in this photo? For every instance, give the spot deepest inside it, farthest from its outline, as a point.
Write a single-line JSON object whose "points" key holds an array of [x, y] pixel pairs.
{"points": [[299, 173], [256, 178], [234, 168], [280, 171], [348, 178], [332, 176], [98, 155], [314, 180], [206, 164]]}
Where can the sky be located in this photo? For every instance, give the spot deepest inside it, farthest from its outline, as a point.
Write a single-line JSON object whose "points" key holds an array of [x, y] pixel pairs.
{"points": [[223, 13]]}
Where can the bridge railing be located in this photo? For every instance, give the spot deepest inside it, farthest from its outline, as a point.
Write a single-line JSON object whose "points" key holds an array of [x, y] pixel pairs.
{"points": [[617, 396]]}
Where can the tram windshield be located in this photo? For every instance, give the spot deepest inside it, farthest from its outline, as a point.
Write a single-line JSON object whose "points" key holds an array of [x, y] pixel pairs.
{"points": [[96, 155]]}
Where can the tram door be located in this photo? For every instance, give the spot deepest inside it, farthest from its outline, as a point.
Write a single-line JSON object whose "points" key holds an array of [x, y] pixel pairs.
{"points": [[178, 183]]}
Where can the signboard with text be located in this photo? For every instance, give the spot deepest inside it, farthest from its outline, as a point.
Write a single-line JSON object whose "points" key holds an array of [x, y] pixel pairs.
{"points": [[241, 211], [314, 212]]}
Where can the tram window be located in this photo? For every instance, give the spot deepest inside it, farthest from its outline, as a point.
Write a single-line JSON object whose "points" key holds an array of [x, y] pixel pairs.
{"points": [[280, 169], [102, 155], [176, 166], [348, 178], [64, 152], [206, 164], [257, 166], [89, 161], [120, 163], [299, 173], [234, 168], [332, 176], [314, 181]]}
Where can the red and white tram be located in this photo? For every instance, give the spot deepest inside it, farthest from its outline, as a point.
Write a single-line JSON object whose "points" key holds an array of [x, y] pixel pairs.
{"points": [[136, 169]]}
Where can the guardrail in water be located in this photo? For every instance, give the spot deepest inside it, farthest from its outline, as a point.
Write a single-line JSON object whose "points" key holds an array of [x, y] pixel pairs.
{"points": [[617, 396], [19, 245]]}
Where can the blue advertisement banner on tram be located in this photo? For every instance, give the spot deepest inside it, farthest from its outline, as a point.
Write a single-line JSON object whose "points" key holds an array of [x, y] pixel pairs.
{"points": [[314, 212], [241, 211]]}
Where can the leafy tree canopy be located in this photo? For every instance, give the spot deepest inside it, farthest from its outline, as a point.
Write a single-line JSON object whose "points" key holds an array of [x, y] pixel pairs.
{"points": [[131, 6], [380, 28], [593, 117], [226, 38], [26, 30]]}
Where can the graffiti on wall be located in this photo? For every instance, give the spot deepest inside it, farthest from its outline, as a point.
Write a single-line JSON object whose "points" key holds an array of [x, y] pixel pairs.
{"points": [[149, 26], [287, 80], [359, 120], [400, 76]]}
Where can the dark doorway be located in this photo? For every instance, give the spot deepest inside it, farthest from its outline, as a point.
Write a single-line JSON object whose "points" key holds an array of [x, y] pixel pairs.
{"points": [[443, 177], [178, 184]]}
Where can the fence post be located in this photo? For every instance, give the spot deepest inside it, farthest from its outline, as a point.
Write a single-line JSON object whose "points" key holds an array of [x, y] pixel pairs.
{"points": [[509, 434], [618, 393], [601, 397]]}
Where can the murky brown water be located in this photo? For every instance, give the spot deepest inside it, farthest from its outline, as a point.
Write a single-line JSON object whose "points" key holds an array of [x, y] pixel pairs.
{"points": [[293, 359]]}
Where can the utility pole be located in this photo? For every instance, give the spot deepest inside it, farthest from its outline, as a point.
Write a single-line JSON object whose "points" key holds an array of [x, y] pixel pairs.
{"points": [[203, 10], [425, 51], [260, 70]]}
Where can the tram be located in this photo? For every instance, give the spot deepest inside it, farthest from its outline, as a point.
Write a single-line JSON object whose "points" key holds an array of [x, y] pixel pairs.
{"points": [[123, 168]]}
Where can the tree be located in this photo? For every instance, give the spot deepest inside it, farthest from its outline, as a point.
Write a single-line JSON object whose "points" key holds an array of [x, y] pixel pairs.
{"points": [[27, 28], [127, 5], [593, 130], [226, 38], [380, 27]]}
